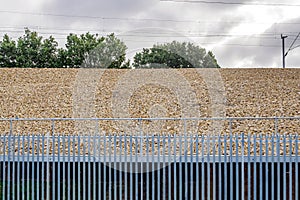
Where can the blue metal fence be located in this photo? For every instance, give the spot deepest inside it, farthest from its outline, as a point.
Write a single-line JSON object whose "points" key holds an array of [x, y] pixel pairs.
{"points": [[149, 166]]}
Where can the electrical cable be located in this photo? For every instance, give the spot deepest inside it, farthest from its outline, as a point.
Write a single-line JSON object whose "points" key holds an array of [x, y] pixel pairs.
{"points": [[234, 3], [136, 19]]}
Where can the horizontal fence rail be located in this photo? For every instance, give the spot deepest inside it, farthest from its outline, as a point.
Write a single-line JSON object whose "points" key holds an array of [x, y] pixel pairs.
{"points": [[150, 158], [265, 125], [149, 166]]}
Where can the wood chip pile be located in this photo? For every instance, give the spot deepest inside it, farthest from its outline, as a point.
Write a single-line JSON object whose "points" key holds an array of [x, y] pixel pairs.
{"points": [[49, 93]]}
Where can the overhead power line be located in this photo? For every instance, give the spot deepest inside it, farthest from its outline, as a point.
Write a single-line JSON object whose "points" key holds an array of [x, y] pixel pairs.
{"points": [[284, 54], [235, 3], [135, 38], [20, 29], [140, 19], [292, 45], [199, 43], [145, 33]]}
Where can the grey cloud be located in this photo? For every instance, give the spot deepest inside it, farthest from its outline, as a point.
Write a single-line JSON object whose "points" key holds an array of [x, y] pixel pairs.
{"points": [[213, 20], [98, 8], [268, 51]]}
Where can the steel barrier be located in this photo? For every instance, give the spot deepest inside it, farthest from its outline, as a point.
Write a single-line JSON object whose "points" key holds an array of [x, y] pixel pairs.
{"points": [[152, 166], [230, 125], [191, 161]]}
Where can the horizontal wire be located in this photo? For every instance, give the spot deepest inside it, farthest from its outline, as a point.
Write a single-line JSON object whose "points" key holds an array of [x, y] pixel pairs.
{"points": [[138, 19], [160, 34], [234, 3]]}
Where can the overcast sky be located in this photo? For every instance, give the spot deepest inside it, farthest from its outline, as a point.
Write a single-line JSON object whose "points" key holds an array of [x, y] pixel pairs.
{"points": [[241, 33]]}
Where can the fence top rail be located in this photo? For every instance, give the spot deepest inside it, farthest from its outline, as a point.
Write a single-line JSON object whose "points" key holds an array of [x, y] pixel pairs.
{"points": [[217, 137], [144, 119]]}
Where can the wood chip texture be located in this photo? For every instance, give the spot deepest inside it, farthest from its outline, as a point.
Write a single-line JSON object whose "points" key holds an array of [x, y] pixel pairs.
{"points": [[49, 93], [149, 93]]}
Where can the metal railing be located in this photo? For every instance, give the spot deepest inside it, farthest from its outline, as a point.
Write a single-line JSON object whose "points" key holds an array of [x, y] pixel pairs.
{"points": [[230, 125], [100, 165]]}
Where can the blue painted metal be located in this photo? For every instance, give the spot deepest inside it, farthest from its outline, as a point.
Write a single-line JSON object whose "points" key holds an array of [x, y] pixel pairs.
{"points": [[95, 166], [297, 165], [278, 166]]}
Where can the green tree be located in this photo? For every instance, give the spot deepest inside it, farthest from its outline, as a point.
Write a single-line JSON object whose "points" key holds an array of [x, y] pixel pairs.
{"points": [[49, 53], [28, 49], [33, 51], [110, 53], [77, 47], [175, 55], [210, 60], [8, 51]]}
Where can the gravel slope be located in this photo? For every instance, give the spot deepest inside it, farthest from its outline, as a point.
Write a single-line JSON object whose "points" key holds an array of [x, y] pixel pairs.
{"points": [[49, 93]]}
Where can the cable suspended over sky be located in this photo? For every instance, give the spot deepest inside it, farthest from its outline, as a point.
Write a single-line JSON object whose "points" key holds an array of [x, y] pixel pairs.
{"points": [[138, 19], [235, 3]]}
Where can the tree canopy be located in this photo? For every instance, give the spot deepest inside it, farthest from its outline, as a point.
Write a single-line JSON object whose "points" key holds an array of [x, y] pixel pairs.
{"points": [[8, 52], [112, 51], [91, 50], [175, 55], [33, 51], [77, 47]]}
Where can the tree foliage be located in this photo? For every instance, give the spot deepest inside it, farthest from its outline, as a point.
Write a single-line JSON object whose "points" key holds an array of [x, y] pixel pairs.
{"points": [[175, 55], [31, 50], [8, 52], [110, 53], [92, 50], [77, 47]]}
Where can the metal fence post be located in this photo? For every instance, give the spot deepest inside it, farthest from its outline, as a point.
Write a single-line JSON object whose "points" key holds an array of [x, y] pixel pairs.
{"points": [[296, 170], [52, 126], [276, 125], [272, 162], [243, 166]]}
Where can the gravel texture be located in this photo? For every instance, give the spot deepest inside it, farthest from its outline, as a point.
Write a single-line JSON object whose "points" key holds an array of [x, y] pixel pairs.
{"points": [[49, 93], [67, 93]]}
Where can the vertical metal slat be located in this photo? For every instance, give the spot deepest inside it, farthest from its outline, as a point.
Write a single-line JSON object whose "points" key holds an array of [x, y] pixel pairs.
{"points": [[296, 166], [249, 139], [32, 167], [290, 169], [78, 168], [254, 170], [115, 167], [18, 170], [8, 166], [237, 166], [267, 168], [231, 168], [175, 167], [53, 167], [278, 165], [243, 167], [3, 167], [28, 166], [260, 167], [191, 168], [84, 168], [272, 167], [284, 167], [58, 167], [202, 169], [197, 168]]}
